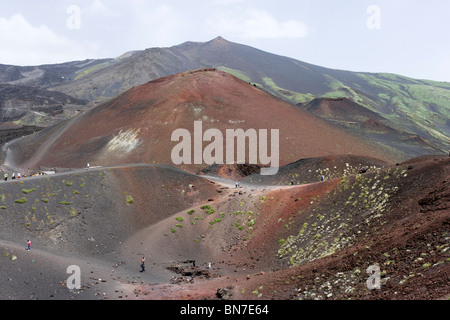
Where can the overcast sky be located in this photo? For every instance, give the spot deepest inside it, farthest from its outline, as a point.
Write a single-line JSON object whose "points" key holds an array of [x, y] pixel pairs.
{"points": [[407, 37]]}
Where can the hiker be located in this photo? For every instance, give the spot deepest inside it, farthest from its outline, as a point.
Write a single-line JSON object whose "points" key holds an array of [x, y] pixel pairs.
{"points": [[18, 176], [88, 166], [29, 245], [13, 176], [143, 264], [321, 178], [6, 177]]}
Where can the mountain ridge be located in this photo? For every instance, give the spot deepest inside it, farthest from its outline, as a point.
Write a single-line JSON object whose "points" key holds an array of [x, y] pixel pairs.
{"points": [[137, 126], [416, 107]]}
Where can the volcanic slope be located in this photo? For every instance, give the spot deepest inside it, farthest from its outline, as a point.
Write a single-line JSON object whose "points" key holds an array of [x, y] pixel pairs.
{"points": [[300, 172], [370, 125], [136, 127], [416, 106], [201, 237], [84, 218], [316, 241]]}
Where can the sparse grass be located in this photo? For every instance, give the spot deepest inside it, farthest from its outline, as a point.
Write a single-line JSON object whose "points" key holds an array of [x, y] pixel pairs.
{"points": [[215, 221], [237, 73], [21, 201], [86, 71], [291, 95], [323, 234], [258, 292], [27, 191], [208, 209], [129, 200]]}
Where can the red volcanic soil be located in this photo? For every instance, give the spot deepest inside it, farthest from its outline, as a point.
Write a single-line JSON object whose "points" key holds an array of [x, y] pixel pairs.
{"points": [[340, 108], [136, 127], [376, 125], [258, 241], [312, 170], [231, 171], [316, 241]]}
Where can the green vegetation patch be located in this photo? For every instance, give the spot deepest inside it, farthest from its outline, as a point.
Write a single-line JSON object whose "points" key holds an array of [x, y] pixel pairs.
{"points": [[129, 200], [288, 94], [237, 73], [21, 201]]}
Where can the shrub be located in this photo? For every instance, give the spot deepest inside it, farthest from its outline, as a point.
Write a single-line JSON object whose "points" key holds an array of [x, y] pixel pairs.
{"points": [[27, 191], [23, 200], [180, 219], [130, 200], [65, 203]]}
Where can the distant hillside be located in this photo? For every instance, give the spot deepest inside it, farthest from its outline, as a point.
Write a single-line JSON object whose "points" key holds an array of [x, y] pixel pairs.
{"points": [[419, 107], [24, 98], [34, 106], [137, 126], [368, 124], [50, 75], [340, 109]]}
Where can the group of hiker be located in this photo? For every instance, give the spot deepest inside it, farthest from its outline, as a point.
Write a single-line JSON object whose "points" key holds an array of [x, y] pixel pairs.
{"points": [[13, 177]]}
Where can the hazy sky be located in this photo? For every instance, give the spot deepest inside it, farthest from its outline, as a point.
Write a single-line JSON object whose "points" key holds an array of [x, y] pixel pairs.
{"points": [[407, 37]]}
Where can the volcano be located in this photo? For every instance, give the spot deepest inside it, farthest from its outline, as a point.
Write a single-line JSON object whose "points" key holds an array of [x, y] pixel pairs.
{"points": [[409, 106], [136, 127]]}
